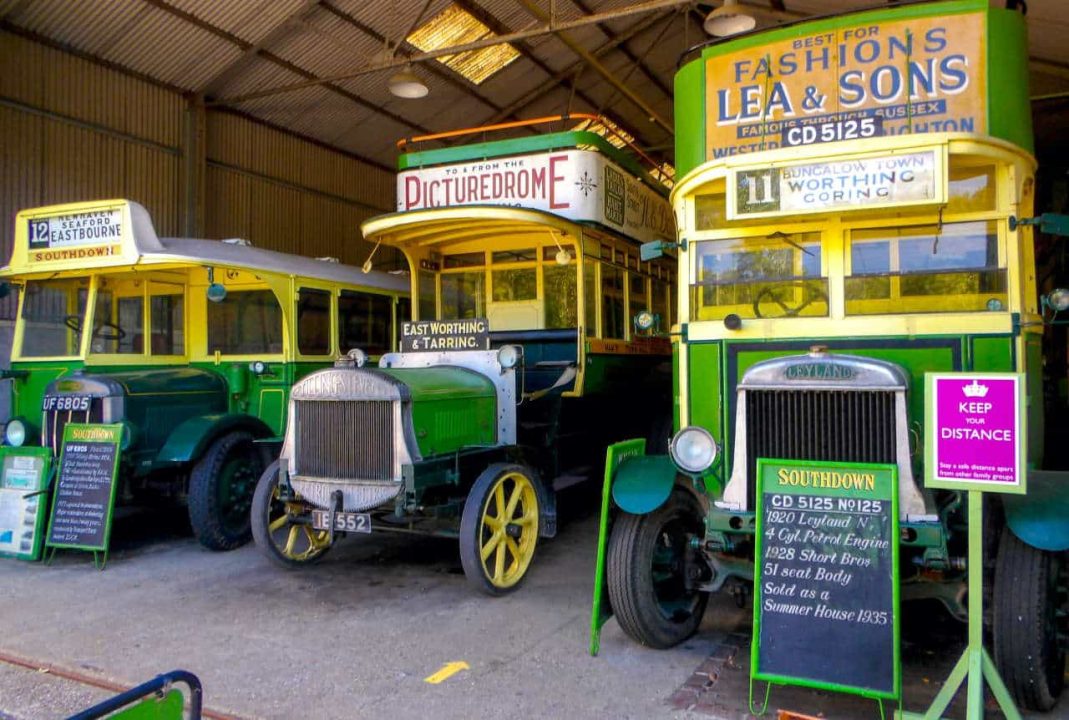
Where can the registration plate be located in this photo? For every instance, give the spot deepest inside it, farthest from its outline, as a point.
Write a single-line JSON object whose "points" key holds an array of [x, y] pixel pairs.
{"points": [[343, 521], [75, 403]]}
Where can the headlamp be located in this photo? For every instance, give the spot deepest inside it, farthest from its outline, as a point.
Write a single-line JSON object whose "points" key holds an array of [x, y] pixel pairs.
{"points": [[693, 449]]}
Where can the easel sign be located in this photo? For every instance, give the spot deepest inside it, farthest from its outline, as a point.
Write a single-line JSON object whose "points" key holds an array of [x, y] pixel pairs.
{"points": [[826, 578], [24, 476], [84, 496]]}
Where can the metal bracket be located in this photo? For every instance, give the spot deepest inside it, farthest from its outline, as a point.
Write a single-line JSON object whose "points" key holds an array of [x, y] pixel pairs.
{"points": [[1049, 223]]}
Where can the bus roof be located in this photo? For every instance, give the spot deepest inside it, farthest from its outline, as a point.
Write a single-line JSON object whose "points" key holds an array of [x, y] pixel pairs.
{"points": [[118, 233], [467, 222]]}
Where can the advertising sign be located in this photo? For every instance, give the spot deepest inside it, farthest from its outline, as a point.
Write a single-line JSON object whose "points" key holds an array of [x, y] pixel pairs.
{"points": [[23, 500], [85, 489], [576, 184], [915, 75], [975, 432], [445, 335], [826, 576], [858, 183]]}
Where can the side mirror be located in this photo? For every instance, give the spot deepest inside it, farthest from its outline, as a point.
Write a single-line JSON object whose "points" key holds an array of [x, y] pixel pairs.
{"points": [[216, 292]]}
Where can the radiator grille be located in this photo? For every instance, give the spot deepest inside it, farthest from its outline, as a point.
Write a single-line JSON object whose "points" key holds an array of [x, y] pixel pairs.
{"points": [[857, 426], [345, 439], [54, 421]]}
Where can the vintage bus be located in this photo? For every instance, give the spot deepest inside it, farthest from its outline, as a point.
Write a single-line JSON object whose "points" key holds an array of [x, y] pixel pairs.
{"points": [[193, 345], [856, 202], [534, 241]]}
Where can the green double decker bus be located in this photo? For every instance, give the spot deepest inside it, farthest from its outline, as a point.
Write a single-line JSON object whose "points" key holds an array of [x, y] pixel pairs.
{"points": [[856, 208]]}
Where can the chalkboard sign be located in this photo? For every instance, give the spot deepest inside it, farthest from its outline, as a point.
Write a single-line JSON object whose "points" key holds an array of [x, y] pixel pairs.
{"points": [[85, 488], [445, 335], [826, 576]]}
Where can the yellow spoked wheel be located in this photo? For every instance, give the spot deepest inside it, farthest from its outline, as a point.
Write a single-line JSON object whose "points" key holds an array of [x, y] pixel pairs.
{"points": [[282, 529], [499, 528]]}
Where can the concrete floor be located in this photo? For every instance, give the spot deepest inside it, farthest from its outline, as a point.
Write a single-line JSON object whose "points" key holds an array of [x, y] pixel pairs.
{"points": [[356, 635]]}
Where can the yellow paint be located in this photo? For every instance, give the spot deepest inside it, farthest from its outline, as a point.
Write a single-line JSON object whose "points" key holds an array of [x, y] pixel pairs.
{"points": [[447, 671]]}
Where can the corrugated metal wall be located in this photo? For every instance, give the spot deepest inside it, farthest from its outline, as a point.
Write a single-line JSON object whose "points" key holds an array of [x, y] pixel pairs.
{"points": [[72, 129]]}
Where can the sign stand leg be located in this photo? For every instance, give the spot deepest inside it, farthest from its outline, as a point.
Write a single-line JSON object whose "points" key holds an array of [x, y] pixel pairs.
{"points": [[975, 664]]}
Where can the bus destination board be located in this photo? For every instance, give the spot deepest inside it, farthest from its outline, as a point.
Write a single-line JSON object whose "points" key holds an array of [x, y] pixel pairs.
{"points": [[825, 582]]}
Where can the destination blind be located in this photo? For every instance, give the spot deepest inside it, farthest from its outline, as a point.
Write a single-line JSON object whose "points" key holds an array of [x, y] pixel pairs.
{"points": [[825, 610]]}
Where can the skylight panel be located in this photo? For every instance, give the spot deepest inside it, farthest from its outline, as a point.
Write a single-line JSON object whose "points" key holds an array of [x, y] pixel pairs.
{"points": [[455, 26]]}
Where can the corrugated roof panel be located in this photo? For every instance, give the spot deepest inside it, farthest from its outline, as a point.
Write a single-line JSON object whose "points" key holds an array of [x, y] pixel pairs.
{"points": [[328, 46], [250, 20], [392, 19], [170, 49], [258, 74], [92, 27]]}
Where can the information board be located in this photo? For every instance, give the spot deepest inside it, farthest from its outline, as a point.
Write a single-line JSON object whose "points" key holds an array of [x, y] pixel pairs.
{"points": [[23, 500], [826, 576], [85, 487], [445, 335], [976, 430]]}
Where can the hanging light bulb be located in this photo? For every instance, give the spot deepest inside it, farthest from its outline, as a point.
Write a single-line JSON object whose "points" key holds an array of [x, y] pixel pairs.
{"points": [[728, 19], [406, 84]]}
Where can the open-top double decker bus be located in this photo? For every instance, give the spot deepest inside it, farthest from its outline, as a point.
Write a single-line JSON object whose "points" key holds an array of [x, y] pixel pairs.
{"points": [[192, 345], [854, 202], [534, 241]]}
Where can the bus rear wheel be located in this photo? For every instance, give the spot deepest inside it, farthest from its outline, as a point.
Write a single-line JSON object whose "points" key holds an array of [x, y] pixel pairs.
{"points": [[647, 573], [499, 528], [278, 536], [1028, 603]]}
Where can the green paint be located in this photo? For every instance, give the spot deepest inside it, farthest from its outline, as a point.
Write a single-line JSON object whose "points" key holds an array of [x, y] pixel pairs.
{"points": [[169, 707], [1009, 109], [990, 353], [690, 117], [601, 611], [885, 489], [452, 408], [706, 393], [190, 439], [25, 471]]}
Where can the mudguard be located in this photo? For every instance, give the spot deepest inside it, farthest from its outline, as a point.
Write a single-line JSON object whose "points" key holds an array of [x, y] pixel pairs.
{"points": [[642, 483], [1041, 517], [191, 438]]}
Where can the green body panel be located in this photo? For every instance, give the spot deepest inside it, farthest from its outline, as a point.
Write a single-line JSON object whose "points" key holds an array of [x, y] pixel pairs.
{"points": [[1007, 81], [452, 408], [705, 384], [27, 393], [190, 439], [675, 388], [642, 483]]}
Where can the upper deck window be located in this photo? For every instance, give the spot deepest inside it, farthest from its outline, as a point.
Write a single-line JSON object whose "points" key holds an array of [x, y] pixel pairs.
{"points": [[53, 313], [245, 323], [775, 276], [950, 268]]}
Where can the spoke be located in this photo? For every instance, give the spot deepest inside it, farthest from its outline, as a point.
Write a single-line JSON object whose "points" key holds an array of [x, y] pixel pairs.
{"points": [[499, 563], [513, 548], [488, 548], [499, 500], [514, 500], [308, 533], [278, 524], [292, 539], [525, 521], [492, 523]]}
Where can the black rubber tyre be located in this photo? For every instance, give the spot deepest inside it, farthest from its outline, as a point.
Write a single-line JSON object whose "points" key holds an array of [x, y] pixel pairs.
{"points": [[288, 545], [1026, 598], [220, 491], [496, 555], [656, 611]]}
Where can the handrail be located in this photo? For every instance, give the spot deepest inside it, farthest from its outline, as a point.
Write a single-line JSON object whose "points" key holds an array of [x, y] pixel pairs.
{"points": [[605, 122], [158, 684]]}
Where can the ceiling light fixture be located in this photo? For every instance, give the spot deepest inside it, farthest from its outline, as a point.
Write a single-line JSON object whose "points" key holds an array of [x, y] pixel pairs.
{"points": [[406, 84], [728, 19]]}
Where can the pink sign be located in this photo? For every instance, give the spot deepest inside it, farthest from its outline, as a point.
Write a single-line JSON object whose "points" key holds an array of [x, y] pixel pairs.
{"points": [[975, 431]]}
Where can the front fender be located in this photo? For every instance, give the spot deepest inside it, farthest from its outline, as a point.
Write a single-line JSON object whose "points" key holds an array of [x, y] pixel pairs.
{"points": [[191, 438], [1041, 517], [642, 483]]}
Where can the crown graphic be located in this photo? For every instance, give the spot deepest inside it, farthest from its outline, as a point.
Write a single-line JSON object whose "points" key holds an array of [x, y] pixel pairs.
{"points": [[975, 390]]}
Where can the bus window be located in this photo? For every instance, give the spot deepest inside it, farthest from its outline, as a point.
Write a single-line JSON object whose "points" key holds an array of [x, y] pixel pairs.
{"points": [[245, 323], [167, 317], [118, 323], [710, 211], [427, 290], [591, 294], [313, 322], [971, 188], [463, 295], [612, 301], [514, 285], [364, 321], [660, 303], [560, 294], [950, 268], [53, 313], [776, 276], [637, 293]]}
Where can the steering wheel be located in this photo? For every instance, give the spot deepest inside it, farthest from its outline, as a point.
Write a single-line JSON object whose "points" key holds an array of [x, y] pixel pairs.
{"points": [[115, 336], [775, 294], [74, 322]]}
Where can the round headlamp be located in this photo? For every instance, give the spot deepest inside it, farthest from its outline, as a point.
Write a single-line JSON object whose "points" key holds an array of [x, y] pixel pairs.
{"points": [[15, 432], [358, 356], [508, 356], [693, 449], [1057, 300], [644, 320]]}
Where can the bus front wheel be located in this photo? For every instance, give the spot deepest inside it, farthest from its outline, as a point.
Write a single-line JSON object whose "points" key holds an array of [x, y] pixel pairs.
{"points": [[220, 491], [1028, 603], [281, 528], [652, 597]]}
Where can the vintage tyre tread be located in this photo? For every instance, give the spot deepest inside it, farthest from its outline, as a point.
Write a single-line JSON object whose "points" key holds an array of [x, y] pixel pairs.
{"points": [[630, 591], [1021, 588], [204, 510], [261, 503], [471, 526]]}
